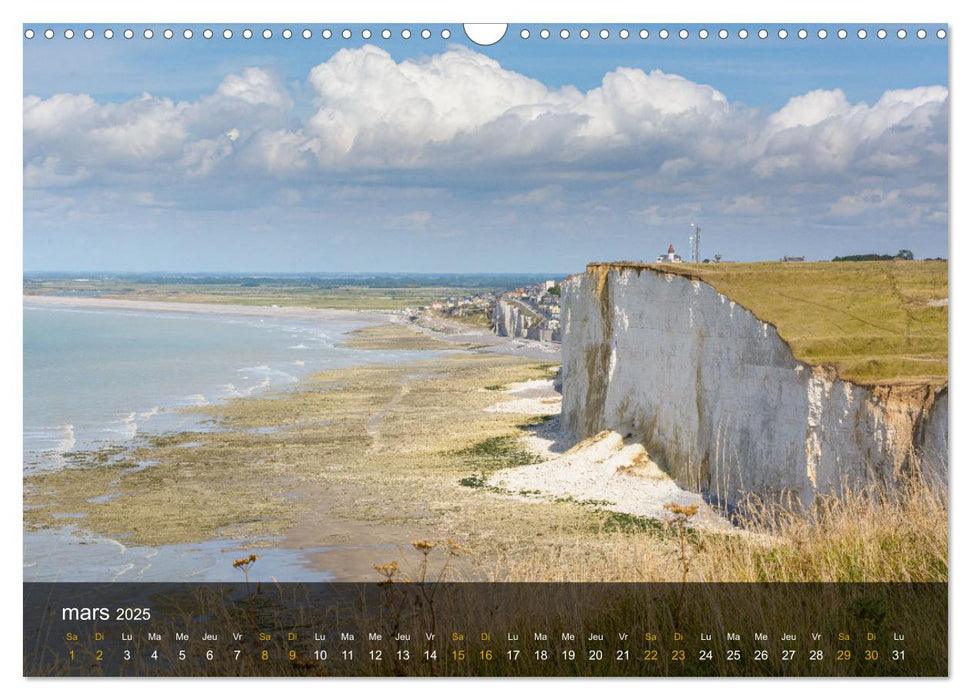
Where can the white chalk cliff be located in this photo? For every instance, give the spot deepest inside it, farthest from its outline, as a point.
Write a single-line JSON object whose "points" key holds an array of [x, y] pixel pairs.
{"points": [[512, 319], [719, 400]]}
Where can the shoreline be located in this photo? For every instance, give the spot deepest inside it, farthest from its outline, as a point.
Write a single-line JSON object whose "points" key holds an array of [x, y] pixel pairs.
{"points": [[228, 387], [466, 337], [351, 549], [347, 476], [295, 312]]}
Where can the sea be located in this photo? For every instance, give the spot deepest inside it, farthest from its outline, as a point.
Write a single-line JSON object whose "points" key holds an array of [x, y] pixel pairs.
{"points": [[104, 377]]}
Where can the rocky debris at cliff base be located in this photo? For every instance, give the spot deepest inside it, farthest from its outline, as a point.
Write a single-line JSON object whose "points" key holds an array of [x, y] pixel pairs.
{"points": [[607, 469], [615, 473]]}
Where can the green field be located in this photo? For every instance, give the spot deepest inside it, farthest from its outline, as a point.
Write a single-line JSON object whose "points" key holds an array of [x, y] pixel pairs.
{"points": [[875, 322], [309, 296]]}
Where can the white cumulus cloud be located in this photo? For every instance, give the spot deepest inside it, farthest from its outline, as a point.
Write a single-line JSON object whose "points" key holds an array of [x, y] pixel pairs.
{"points": [[459, 116]]}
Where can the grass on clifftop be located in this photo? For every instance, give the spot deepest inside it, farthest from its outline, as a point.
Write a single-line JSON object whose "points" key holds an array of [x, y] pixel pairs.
{"points": [[876, 322]]}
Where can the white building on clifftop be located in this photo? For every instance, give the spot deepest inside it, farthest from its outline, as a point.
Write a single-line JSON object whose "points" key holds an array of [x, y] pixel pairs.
{"points": [[670, 257]]}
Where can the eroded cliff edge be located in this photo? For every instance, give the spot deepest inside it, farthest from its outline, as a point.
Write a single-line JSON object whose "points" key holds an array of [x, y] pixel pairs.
{"points": [[719, 399]]}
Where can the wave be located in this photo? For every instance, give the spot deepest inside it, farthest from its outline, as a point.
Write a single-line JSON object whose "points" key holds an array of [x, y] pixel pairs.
{"points": [[257, 368], [131, 425], [256, 387], [47, 447], [52, 439], [269, 375], [145, 415], [68, 439], [122, 570], [126, 427]]}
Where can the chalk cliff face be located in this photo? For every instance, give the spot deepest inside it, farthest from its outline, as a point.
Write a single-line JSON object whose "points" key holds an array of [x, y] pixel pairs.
{"points": [[510, 319], [719, 400], [507, 319]]}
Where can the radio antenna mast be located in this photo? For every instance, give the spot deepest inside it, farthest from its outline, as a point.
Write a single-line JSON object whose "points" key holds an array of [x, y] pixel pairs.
{"points": [[696, 244]]}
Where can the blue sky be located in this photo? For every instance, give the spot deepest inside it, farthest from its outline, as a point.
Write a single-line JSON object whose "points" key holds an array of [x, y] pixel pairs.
{"points": [[439, 155]]}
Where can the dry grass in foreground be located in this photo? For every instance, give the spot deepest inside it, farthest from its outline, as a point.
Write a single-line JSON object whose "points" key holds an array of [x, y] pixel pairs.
{"points": [[879, 535], [899, 536]]}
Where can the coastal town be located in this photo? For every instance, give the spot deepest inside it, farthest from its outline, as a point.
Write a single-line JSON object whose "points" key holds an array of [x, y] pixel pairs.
{"points": [[531, 312]]}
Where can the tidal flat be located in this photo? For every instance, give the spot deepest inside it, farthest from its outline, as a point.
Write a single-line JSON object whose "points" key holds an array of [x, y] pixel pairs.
{"points": [[358, 462]]}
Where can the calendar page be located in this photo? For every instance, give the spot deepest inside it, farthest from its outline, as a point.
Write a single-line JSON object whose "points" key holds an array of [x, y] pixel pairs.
{"points": [[422, 349]]}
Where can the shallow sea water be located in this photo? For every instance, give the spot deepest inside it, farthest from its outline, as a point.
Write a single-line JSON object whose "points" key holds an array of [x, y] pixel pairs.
{"points": [[98, 378]]}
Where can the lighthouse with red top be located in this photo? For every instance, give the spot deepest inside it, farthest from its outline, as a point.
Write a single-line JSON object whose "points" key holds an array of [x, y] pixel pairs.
{"points": [[670, 257]]}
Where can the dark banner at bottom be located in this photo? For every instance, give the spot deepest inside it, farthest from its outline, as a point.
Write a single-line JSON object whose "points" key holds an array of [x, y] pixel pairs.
{"points": [[481, 629]]}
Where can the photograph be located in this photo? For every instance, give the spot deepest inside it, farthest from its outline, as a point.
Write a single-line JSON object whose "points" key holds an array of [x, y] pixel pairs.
{"points": [[429, 349]]}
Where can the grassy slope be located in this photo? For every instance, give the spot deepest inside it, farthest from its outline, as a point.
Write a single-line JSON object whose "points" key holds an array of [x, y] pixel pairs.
{"points": [[873, 321]]}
